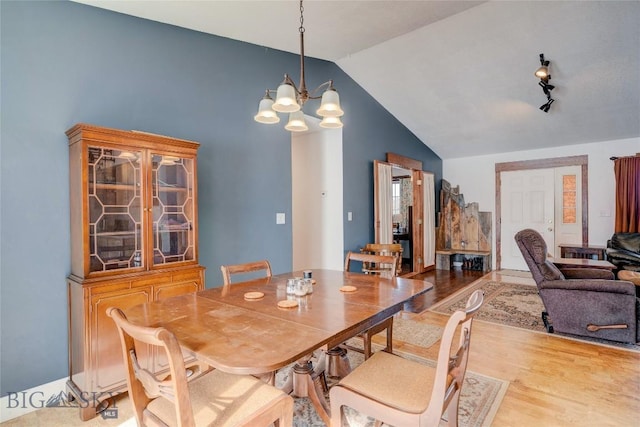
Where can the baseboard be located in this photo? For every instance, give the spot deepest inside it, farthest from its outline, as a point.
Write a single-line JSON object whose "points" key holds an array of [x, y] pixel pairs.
{"points": [[16, 404]]}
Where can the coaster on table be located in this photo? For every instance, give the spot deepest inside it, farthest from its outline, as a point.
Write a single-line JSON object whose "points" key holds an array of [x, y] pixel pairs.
{"points": [[287, 303], [348, 288], [253, 295]]}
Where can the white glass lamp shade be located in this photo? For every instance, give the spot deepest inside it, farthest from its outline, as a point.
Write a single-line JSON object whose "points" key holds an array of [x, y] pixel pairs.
{"points": [[542, 72], [296, 122], [331, 122], [265, 112], [128, 155], [286, 99], [169, 160], [330, 105]]}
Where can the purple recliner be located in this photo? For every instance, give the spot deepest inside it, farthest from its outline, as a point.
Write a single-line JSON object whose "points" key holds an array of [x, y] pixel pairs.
{"points": [[581, 301]]}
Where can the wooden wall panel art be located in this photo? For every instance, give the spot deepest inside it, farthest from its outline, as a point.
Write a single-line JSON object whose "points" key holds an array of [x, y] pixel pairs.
{"points": [[461, 226]]}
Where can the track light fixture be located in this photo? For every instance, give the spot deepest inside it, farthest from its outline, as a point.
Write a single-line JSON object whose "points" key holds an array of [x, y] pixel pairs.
{"points": [[545, 76]]}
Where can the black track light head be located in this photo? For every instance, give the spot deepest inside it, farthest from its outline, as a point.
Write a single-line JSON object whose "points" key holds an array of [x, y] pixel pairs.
{"points": [[547, 106]]}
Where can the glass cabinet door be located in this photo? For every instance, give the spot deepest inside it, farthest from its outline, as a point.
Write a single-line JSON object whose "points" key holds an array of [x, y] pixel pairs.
{"points": [[115, 209], [173, 209]]}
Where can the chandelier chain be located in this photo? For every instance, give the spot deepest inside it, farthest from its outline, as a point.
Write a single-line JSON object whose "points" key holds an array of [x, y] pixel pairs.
{"points": [[301, 29]]}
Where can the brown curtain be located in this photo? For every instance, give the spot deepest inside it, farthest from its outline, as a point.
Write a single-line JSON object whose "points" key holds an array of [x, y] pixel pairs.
{"points": [[627, 171]]}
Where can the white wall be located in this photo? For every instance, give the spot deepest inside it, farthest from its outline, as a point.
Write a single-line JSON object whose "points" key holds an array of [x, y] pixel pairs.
{"points": [[476, 178], [317, 205]]}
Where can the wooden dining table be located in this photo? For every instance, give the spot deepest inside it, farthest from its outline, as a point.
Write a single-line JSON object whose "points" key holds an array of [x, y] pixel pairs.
{"points": [[230, 332]]}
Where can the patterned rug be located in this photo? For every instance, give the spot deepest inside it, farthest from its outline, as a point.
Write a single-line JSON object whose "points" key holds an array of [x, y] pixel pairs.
{"points": [[516, 305], [479, 400], [416, 333]]}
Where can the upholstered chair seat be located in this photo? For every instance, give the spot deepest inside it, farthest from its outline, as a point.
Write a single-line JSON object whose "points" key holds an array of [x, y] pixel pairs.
{"points": [[219, 399], [409, 392]]}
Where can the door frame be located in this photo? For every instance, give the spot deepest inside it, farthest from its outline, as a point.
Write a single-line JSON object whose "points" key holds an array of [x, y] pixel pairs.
{"points": [[551, 163], [416, 172]]}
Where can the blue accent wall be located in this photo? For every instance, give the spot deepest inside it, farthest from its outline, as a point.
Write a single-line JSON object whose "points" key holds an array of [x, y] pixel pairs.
{"points": [[63, 63]]}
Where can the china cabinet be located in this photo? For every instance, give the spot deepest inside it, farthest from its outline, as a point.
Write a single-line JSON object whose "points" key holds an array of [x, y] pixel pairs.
{"points": [[134, 239]]}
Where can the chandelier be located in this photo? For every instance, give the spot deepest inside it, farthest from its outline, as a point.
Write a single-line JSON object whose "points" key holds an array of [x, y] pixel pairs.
{"points": [[290, 99]]}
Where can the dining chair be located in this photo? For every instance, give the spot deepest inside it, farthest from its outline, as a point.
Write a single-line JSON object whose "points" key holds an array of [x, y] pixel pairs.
{"points": [[394, 249], [402, 392], [249, 267], [215, 398], [385, 265], [246, 268]]}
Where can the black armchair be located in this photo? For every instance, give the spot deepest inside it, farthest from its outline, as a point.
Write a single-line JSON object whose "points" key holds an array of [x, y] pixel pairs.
{"points": [[623, 251], [581, 301]]}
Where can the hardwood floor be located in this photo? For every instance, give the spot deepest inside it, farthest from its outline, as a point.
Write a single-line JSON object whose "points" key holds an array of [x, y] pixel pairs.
{"points": [[445, 283], [554, 381]]}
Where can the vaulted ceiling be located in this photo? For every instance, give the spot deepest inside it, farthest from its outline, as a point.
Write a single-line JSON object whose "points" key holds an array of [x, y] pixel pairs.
{"points": [[458, 74]]}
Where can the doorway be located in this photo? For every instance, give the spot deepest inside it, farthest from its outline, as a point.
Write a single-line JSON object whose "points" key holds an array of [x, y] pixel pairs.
{"points": [[548, 195], [413, 221], [401, 213], [317, 204]]}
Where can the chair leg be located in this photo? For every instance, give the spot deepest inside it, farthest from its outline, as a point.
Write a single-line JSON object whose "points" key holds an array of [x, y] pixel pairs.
{"points": [[452, 411], [387, 325], [547, 325], [389, 348]]}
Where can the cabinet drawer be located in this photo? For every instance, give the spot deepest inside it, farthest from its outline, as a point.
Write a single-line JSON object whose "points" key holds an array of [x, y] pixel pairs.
{"points": [[173, 289]]}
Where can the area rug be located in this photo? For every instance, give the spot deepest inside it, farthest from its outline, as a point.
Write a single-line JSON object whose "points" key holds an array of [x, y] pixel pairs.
{"points": [[515, 273], [415, 333], [479, 400], [515, 305]]}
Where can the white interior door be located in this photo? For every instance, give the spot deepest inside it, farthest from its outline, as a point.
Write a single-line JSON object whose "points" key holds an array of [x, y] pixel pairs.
{"points": [[527, 201]]}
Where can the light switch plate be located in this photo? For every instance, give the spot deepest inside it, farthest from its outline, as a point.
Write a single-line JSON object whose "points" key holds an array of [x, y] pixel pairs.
{"points": [[280, 218]]}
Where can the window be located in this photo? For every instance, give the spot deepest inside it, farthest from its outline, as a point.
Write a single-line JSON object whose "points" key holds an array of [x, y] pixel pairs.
{"points": [[395, 196], [569, 198]]}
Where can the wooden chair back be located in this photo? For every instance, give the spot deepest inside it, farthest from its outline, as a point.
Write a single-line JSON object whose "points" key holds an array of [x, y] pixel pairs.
{"points": [[384, 265], [394, 249], [452, 361], [373, 264], [249, 267], [144, 387]]}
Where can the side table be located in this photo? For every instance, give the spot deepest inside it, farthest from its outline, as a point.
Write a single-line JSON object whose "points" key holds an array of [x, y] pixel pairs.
{"points": [[582, 263], [582, 251]]}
